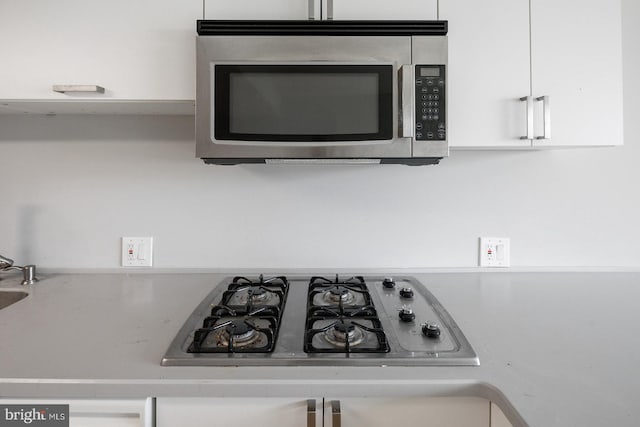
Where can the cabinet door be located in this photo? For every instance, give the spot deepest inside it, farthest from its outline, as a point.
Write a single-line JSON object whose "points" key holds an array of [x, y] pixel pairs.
{"points": [[99, 412], [260, 9], [488, 72], [381, 9], [577, 61], [236, 412], [135, 50], [408, 411]]}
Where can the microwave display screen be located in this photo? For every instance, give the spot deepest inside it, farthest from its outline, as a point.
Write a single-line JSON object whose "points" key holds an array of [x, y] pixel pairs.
{"points": [[430, 72], [303, 102]]}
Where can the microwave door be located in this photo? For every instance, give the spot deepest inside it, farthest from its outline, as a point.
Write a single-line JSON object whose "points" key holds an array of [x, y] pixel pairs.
{"points": [[308, 110]]}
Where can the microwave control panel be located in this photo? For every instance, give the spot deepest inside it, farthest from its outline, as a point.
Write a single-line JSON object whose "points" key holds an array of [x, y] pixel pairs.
{"points": [[430, 103]]}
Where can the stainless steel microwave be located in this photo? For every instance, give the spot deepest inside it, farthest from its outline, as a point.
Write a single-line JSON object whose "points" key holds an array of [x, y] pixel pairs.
{"points": [[321, 91]]}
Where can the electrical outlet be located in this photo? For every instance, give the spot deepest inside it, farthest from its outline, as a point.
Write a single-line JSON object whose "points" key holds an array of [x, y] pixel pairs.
{"points": [[137, 251], [494, 252]]}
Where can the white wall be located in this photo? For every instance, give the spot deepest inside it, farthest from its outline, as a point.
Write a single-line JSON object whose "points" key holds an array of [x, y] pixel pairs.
{"points": [[72, 186]]}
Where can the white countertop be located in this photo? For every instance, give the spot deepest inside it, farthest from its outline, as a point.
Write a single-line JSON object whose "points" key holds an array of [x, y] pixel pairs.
{"points": [[561, 348]]}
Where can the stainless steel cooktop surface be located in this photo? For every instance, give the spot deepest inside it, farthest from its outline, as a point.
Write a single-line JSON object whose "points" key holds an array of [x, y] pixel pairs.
{"points": [[335, 320]]}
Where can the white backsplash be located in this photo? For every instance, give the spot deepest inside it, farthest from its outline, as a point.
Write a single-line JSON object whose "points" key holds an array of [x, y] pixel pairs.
{"points": [[72, 186]]}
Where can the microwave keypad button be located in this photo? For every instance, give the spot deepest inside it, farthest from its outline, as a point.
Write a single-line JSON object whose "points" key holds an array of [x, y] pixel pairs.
{"points": [[430, 110]]}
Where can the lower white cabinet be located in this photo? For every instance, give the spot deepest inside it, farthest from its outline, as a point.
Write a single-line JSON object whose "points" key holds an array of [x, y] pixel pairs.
{"points": [[416, 411], [327, 412], [99, 412]]}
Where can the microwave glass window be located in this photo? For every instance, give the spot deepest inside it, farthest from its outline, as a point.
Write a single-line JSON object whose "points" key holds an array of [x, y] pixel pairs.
{"points": [[303, 102]]}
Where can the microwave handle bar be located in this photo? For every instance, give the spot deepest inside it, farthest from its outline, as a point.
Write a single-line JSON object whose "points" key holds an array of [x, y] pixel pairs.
{"points": [[407, 88]]}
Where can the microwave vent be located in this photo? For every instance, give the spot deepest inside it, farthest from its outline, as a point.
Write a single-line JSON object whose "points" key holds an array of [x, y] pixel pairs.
{"points": [[322, 28]]}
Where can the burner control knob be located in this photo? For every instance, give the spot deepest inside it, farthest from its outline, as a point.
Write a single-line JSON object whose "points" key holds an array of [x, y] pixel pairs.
{"points": [[389, 283], [431, 330], [407, 315], [406, 293]]}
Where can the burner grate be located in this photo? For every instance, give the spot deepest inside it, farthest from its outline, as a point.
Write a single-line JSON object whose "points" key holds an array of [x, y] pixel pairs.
{"points": [[338, 324], [246, 320]]}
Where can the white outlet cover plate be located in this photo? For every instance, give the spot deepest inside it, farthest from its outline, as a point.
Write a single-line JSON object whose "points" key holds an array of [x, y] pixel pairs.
{"points": [[137, 251], [495, 252]]}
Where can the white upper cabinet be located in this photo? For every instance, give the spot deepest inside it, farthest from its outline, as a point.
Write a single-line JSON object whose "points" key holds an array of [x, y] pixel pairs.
{"points": [[381, 9], [488, 71], [322, 9], [577, 62], [260, 9], [566, 55], [141, 50]]}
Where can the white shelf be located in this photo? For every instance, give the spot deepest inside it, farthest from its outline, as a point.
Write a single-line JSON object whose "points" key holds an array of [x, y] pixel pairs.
{"points": [[98, 107]]}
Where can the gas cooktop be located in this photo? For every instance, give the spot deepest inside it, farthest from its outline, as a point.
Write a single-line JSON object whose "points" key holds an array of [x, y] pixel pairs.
{"points": [[320, 321]]}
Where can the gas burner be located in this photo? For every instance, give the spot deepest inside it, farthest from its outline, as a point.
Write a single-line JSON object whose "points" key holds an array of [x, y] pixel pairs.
{"points": [[343, 332], [254, 295], [243, 291], [239, 334], [353, 280], [350, 292], [261, 282], [339, 294], [345, 335]]}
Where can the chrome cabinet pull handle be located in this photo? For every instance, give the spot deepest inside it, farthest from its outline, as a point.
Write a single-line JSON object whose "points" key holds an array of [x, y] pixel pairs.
{"points": [[311, 413], [312, 10], [407, 87], [336, 415], [546, 133], [78, 88], [529, 100], [330, 10]]}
